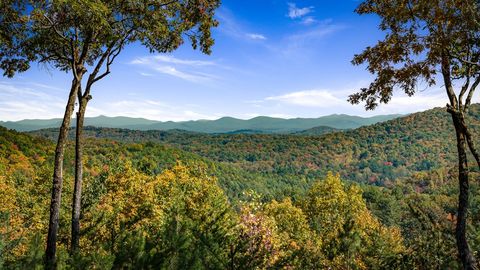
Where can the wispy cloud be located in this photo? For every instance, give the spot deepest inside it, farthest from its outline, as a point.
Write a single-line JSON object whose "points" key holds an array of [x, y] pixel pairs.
{"points": [[185, 69], [145, 74], [314, 33], [150, 109], [309, 20], [188, 76], [26, 101], [302, 15], [295, 12], [172, 60], [256, 36], [309, 98], [301, 43], [231, 27], [329, 101]]}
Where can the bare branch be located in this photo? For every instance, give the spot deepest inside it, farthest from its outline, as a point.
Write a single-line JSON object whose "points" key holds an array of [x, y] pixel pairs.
{"points": [[472, 91], [91, 78], [110, 54], [464, 90], [471, 146], [110, 59]]}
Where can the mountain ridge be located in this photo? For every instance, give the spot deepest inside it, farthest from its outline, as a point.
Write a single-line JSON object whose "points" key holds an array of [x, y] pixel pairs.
{"points": [[226, 124], [377, 154]]}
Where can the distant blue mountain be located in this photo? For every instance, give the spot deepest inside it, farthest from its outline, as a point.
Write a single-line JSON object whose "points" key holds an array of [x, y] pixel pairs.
{"points": [[261, 124]]}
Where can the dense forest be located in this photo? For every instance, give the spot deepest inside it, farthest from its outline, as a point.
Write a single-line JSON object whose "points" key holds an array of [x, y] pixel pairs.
{"points": [[378, 154], [336, 192], [181, 200]]}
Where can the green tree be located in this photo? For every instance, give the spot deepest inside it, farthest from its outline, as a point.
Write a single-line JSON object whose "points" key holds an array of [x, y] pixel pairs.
{"points": [[180, 219], [351, 236], [75, 36], [300, 245], [425, 39]]}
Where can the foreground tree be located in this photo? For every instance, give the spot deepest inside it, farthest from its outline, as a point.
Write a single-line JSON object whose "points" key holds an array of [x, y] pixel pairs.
{"points": [[427, 39], [191, 19], [75, 36]]}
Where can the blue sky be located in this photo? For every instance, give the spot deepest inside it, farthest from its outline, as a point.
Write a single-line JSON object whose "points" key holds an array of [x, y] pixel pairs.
{"points": [[271, 57]]}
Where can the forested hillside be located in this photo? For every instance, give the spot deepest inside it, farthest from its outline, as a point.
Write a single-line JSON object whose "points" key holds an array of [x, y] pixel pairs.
{"points": [[219, 214], [378, 154]]}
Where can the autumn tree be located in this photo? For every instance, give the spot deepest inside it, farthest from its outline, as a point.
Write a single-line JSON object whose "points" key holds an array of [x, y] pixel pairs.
{"points": [[180, 219], [351, 236], [426, 42], [84, 38]]}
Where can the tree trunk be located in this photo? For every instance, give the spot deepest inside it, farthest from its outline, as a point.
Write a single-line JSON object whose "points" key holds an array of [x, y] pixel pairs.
{"points": [[77, 191], [51, 249], [464, 253]]}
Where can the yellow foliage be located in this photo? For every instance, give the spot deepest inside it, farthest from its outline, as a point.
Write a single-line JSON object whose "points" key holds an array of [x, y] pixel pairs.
{"points": [[338, 214]]}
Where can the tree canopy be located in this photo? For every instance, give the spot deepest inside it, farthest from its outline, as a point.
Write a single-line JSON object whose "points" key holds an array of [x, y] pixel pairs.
{"points": [[72, 34], [423, 39]]}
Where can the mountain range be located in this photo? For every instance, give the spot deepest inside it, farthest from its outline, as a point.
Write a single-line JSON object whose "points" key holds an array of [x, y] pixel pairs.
{"points": [[378, 154], [257, 125]]}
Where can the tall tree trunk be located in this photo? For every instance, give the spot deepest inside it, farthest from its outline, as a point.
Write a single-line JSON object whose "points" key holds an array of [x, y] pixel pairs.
{"points": [[77, 192], [51, 249], [464, 253]]}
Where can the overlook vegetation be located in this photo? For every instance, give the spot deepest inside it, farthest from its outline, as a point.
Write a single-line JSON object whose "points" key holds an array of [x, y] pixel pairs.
{"points": [[168, 200], [264, 193]]}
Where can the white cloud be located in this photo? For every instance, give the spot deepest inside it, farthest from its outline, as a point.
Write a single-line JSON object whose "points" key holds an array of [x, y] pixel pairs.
{"points": [[192, 77], [302, 43], [294, 12], [160, 59], [231, 27], [401, 103], [150, 109], [309, 20], [329, 101], [314, 33], [19, 101], [189, 70], [256, 36], [145, 74], [310, 98]]}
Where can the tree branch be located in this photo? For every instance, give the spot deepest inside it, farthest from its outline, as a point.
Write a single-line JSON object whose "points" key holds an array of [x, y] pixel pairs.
{"points": [[110, 54], [74, 60], [86, 47], [58, 32], [448, 80], [472, 90], [476, 64], [464, 90], [91, 78], [471, 146]]}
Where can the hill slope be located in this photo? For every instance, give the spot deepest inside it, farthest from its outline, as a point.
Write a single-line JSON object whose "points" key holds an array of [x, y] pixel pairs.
{"points": [[376, 154]]}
